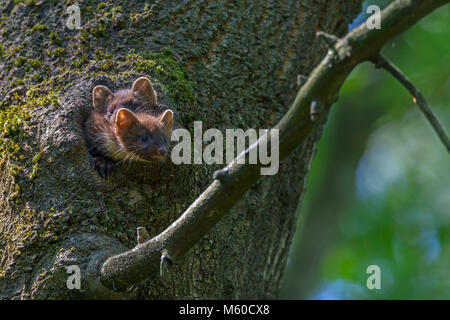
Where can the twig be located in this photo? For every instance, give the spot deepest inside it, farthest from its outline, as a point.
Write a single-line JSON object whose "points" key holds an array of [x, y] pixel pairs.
{"points": [[329, 39], [382, 62], [323, 84]]}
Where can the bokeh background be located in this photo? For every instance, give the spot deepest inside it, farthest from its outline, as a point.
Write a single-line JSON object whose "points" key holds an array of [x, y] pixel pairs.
{"points": [[379, 188]]}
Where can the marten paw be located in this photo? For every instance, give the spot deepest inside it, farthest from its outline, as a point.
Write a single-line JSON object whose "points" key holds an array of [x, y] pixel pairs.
{"points": [[104, 166]]}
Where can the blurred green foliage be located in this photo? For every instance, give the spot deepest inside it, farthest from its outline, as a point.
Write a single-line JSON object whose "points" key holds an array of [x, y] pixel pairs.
{"points": [[379, 187]]}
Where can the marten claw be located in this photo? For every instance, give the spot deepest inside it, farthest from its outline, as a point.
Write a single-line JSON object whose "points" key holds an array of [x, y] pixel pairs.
{"points": [[104, 166]]}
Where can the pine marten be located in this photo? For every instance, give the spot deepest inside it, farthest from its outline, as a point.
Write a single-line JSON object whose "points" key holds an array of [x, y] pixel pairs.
{"points": [[121, 127]]}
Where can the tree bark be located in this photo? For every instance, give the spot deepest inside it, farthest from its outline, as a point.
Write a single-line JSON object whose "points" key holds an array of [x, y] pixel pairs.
{"points": [[231, 64]]}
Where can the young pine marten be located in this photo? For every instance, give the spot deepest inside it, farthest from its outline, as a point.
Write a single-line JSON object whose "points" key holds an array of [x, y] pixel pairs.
{"points": [[121, 127]]}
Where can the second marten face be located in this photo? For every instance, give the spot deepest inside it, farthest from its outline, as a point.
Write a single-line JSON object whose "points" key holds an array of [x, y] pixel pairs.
{"points": [[139, 135], [140, 96]]}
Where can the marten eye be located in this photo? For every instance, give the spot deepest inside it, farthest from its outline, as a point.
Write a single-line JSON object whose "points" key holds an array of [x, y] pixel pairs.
{"points": [[111, 111], [143, 138], [134, 106]]}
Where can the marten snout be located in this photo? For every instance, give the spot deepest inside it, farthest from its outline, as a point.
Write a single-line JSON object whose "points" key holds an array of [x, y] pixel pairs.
{"points": [[155, 150], [159, 153], [162, 151]]}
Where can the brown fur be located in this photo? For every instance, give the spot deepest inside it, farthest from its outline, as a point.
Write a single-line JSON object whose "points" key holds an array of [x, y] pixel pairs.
{"points": [[121, 127]]}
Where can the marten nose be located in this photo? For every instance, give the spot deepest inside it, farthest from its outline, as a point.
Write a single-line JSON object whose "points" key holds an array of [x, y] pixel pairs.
{"points": [[162, 151]]}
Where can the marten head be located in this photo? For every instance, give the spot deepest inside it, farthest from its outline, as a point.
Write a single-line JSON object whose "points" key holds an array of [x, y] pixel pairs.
{"points": [[142, 135], [139, 135], [140, 96]]}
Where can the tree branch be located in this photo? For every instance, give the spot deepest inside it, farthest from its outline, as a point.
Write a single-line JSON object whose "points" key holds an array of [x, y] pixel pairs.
{"points": [[231, 183], [381, 62]]}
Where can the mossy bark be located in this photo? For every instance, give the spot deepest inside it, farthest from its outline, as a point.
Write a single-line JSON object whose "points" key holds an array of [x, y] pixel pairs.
{"points": [[230, 64]]}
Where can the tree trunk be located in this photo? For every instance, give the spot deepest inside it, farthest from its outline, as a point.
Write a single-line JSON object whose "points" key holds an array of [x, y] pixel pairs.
{"points": [[230, 64]]}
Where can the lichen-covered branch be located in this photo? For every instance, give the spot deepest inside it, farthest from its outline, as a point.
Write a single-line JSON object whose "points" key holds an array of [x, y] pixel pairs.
{"points": [[230, 184], [381, 62]]}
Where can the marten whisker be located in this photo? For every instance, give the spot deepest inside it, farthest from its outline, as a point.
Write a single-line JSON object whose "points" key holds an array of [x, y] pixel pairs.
{"points": [[123, 160]]}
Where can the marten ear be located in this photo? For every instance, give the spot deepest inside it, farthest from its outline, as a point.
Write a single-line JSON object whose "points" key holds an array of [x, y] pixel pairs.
{"points": [[167, 119], [125, 119], [101, 97], [143, 87]]}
